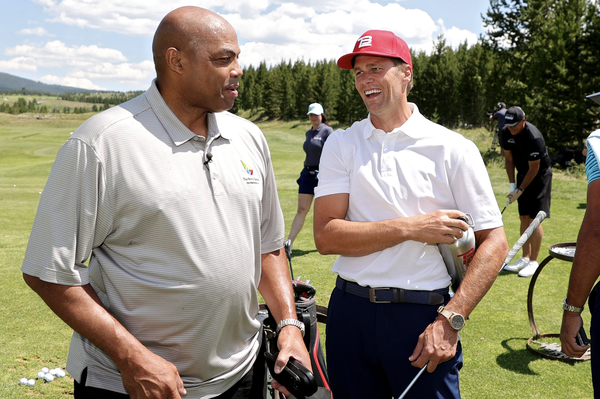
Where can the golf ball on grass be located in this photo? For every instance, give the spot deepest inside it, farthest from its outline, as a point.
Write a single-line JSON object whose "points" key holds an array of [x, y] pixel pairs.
{"points": [[49, 377], [41, 374], [31, 382], [23, 381], [45, 369]]}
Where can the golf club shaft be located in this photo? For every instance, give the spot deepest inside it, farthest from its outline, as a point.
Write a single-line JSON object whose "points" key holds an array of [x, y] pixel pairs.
{"points": [[507, 204], [413, 381], [539, 218]]}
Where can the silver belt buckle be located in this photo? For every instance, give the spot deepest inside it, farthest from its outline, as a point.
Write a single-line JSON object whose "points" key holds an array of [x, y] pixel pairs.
{"points": [[373, 297]]}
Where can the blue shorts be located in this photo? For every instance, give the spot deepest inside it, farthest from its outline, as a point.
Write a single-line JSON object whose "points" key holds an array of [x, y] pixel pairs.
{"points": [[308, 181], [368, 345]]}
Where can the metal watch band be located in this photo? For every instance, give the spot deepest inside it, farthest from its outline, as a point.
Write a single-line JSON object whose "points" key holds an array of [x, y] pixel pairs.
{"points": [[572, 308], [291, 322]]}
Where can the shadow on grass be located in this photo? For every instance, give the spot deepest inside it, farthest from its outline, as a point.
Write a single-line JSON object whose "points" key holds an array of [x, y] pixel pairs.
{"points": [[516, 360], [299, 252], [582, 206]]}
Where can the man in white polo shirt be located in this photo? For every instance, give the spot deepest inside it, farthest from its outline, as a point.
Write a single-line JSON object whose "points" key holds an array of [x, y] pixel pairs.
{"points": [[173, 203], [391, 187]]}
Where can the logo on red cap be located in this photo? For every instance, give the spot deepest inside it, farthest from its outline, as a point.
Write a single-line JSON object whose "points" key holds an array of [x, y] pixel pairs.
{"points": [[365, 41], [378, 43]]}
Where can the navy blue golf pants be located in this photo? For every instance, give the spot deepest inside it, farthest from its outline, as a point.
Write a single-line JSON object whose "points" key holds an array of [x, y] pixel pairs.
{"points": [[368, 346]]}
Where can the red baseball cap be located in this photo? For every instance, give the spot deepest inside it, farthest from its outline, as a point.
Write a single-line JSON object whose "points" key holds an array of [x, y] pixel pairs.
{"points": [[380, 43]]}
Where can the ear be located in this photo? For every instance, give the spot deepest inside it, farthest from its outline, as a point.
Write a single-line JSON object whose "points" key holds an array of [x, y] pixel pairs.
{"points": [[173, 59], [408, 72]]}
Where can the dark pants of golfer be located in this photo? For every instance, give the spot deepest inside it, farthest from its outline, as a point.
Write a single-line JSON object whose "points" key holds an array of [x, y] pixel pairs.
{"points": [[594, 304], [368, 345], [537, 195], [252, 386]]}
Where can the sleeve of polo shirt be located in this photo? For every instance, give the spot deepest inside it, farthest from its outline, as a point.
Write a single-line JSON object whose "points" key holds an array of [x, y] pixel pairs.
{"points": [[472, 189], [66, 225], [334, 177], [273, 223], [591, 162], [536, 150]]}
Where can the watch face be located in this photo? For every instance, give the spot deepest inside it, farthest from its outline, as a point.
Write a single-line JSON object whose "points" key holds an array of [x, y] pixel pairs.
{"points": [[457, 322]]}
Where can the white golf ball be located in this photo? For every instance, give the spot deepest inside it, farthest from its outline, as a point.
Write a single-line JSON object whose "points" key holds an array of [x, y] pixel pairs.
{"points": [[31, 382], [45, 369], [60, 373], [23, 381], [49, 377], [41, 374], [53, 371]]}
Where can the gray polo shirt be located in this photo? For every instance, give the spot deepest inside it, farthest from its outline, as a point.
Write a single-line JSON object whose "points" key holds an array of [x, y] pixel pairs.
{"points": [[175, 243]]}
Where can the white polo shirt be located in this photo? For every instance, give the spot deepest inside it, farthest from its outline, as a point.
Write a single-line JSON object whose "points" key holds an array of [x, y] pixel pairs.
{"points": [[417, 168], [176, 245]]}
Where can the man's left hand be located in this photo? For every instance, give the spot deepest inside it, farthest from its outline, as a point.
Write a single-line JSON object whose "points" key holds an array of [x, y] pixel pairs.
{"points": [[290, 344], [513, 196], [437, 344]]}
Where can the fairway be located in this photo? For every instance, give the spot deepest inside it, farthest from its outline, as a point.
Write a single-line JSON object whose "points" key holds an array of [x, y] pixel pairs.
{"points": [[496, 361]]}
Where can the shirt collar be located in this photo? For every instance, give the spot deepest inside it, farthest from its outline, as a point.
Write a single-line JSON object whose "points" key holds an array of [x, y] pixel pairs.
{"points": [[410, 127], [178, 132]]}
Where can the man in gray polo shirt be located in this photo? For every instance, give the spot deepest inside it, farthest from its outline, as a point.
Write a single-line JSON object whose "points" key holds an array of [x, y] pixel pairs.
{"points": [[173, 204]]}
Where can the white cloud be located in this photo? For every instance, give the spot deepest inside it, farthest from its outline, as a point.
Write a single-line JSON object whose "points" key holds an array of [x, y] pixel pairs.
{"points": [[291, 35], [19, 64], [455, 36], [70, 81], [39, 31], [57, 54], [268, 30]]}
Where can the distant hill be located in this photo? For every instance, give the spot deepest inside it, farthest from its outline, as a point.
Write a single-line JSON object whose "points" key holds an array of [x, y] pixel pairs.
{"points": [[12, 82]]}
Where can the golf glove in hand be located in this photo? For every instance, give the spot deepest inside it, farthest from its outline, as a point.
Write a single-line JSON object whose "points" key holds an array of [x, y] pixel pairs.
{"points": [[514, 195], [512, 187]]}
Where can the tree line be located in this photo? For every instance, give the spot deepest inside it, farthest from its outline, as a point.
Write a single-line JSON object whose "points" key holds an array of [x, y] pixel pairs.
{"points": [[542, 55]]}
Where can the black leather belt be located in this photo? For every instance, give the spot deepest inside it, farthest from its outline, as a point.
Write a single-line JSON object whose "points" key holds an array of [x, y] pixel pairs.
{"points": [[311, 167], [392, 295]]}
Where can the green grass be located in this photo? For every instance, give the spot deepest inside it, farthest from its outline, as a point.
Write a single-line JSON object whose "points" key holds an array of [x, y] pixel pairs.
{"points": [[497, 363]]}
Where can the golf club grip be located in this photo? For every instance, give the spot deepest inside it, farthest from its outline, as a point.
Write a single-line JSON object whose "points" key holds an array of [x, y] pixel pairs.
{"points": [[525, 236]]}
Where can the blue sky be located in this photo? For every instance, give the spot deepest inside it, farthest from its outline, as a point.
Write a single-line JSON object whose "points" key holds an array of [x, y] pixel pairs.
{"points": [[105, 44]]}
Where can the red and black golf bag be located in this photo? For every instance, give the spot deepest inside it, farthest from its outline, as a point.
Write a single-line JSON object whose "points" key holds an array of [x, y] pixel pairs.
{"points": [[310, 314]]}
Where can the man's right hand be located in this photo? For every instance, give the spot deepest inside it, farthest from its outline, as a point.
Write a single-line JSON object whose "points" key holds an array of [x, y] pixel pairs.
{"points": [[151, 376], [570, 327]]}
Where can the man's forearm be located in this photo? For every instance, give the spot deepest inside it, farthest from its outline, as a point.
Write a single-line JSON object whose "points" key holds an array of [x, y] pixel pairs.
{"points": [[482, 271], [276, 286], [586, 264]]}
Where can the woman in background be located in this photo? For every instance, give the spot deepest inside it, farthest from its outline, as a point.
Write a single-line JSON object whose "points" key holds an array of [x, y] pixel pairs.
{"points": [[313, 145]]}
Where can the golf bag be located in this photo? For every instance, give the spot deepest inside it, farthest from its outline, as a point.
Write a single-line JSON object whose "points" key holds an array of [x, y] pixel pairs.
{"points": [[306, 309]]}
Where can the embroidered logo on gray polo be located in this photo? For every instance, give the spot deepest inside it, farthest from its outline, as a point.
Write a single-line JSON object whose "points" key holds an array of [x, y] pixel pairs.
{"points": [[365, 41], [250, 178]]}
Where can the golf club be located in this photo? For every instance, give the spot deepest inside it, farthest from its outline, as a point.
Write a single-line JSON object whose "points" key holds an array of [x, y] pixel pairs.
{"points": [[507, 204], [413, 381], [539, 218]]}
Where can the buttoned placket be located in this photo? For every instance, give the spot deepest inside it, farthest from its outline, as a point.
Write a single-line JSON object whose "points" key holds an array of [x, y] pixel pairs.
{"points": [[387, 142], [212, 167]]}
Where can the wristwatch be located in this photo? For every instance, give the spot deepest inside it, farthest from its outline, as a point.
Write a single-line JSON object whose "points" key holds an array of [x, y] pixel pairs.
{"points": [[572, 308], [456, 320], [291, 322]]}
